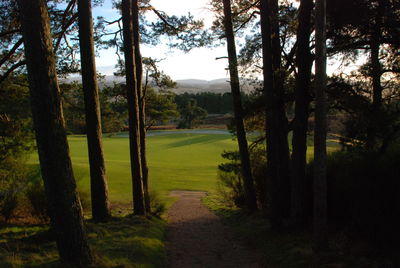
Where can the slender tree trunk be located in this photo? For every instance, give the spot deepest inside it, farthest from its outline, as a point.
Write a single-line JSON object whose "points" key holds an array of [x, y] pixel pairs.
{"points": [[98, 179], [276, 121], [302, 95], [142, 103], [133, 107], [64, 205], [251, 200], [376, 108], [268, 91], [282, 149], [320, 182]]}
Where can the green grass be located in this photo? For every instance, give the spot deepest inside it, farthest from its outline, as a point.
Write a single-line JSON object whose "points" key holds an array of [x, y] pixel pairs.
{"points": [[123, 242], [176, 161], [179, 161]]}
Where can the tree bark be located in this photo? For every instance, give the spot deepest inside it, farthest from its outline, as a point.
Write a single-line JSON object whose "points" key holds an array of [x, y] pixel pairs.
{"points": [[302, 98], [133, 107], [375, 74], [320, 182], [251, 201], [276, 122], [64, 205], [268, 91], [142, 103], [98, 179]]}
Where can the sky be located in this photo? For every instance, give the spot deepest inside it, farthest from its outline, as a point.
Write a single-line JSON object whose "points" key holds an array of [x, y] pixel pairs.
{"points": [[199, 63]]}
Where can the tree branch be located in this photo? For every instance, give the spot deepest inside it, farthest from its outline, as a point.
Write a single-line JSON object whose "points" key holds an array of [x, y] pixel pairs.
{"points": [[63, 31], [11, 52], [252, 15], [9, 32], [256, 3], [11, 70]]}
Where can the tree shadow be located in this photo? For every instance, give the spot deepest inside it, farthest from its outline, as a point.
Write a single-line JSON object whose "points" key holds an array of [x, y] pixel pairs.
{"points": [[198, 139]]}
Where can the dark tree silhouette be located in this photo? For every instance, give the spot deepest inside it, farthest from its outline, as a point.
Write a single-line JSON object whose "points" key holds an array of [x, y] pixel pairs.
{"points": [[276, 121], [98, 179], [139, 207], [320, 183], [302, 98], [251, 201], [64, 205], [142, 102]]}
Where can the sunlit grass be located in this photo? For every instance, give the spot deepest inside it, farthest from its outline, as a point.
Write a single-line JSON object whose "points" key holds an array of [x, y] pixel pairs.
{"points": [[176, 161]]}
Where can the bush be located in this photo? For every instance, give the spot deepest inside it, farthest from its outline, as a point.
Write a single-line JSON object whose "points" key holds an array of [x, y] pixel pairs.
{"points": [[36, 196], [230, 180], [363, 193], [156, 205], [13, 173]]}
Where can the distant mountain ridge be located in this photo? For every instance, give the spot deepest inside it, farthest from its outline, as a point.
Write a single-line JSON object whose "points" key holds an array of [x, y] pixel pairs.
{"points": [[220, 85]]}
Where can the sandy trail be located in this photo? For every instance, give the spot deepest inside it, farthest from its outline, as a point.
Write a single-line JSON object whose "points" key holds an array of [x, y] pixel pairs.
{"points": [[197, 238]]}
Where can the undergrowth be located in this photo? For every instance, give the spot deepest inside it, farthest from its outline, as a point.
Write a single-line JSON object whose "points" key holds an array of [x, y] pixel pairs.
{"points": [[291, 249], [129, 241]]}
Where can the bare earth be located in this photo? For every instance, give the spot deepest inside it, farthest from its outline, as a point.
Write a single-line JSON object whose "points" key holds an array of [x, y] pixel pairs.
{"points": [[197, 238]]}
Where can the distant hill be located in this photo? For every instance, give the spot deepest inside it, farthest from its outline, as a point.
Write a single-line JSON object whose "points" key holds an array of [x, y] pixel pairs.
{"points": [[187, 85]]}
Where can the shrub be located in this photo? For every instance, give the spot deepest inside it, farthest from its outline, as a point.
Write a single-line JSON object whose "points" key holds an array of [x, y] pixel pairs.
{"points": [[13, 173], [156, 205], [36, 196], [230, 180], [85, 200], [363, 193]]}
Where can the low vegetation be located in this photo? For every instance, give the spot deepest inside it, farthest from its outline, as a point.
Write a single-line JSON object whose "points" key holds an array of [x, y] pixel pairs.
{"points": [[122, 242]]}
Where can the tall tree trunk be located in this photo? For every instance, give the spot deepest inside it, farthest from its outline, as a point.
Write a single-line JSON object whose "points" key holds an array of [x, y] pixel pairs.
{"points": [[320, 182], [98, 179], [251, 201], [64, 205], [282, 149], [269, 97], [276, 121], [133, 107], [375, 74], [142, 103], [302, 95]]}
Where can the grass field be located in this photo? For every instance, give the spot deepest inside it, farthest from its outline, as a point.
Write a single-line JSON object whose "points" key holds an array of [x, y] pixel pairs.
{"points": [[185, 160], [177, 160]]}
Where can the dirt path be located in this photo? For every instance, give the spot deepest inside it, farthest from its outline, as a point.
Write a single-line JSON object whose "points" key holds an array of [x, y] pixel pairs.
{"points": [[197, 238]]}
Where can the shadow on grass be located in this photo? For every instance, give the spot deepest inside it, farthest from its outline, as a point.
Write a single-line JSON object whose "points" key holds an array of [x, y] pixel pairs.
{"points": [[122, 242], [198, 139]]}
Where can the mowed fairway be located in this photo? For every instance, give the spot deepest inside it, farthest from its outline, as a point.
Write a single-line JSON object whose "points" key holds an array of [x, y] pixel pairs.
{"points": [[184, 161], [178, 160]]}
